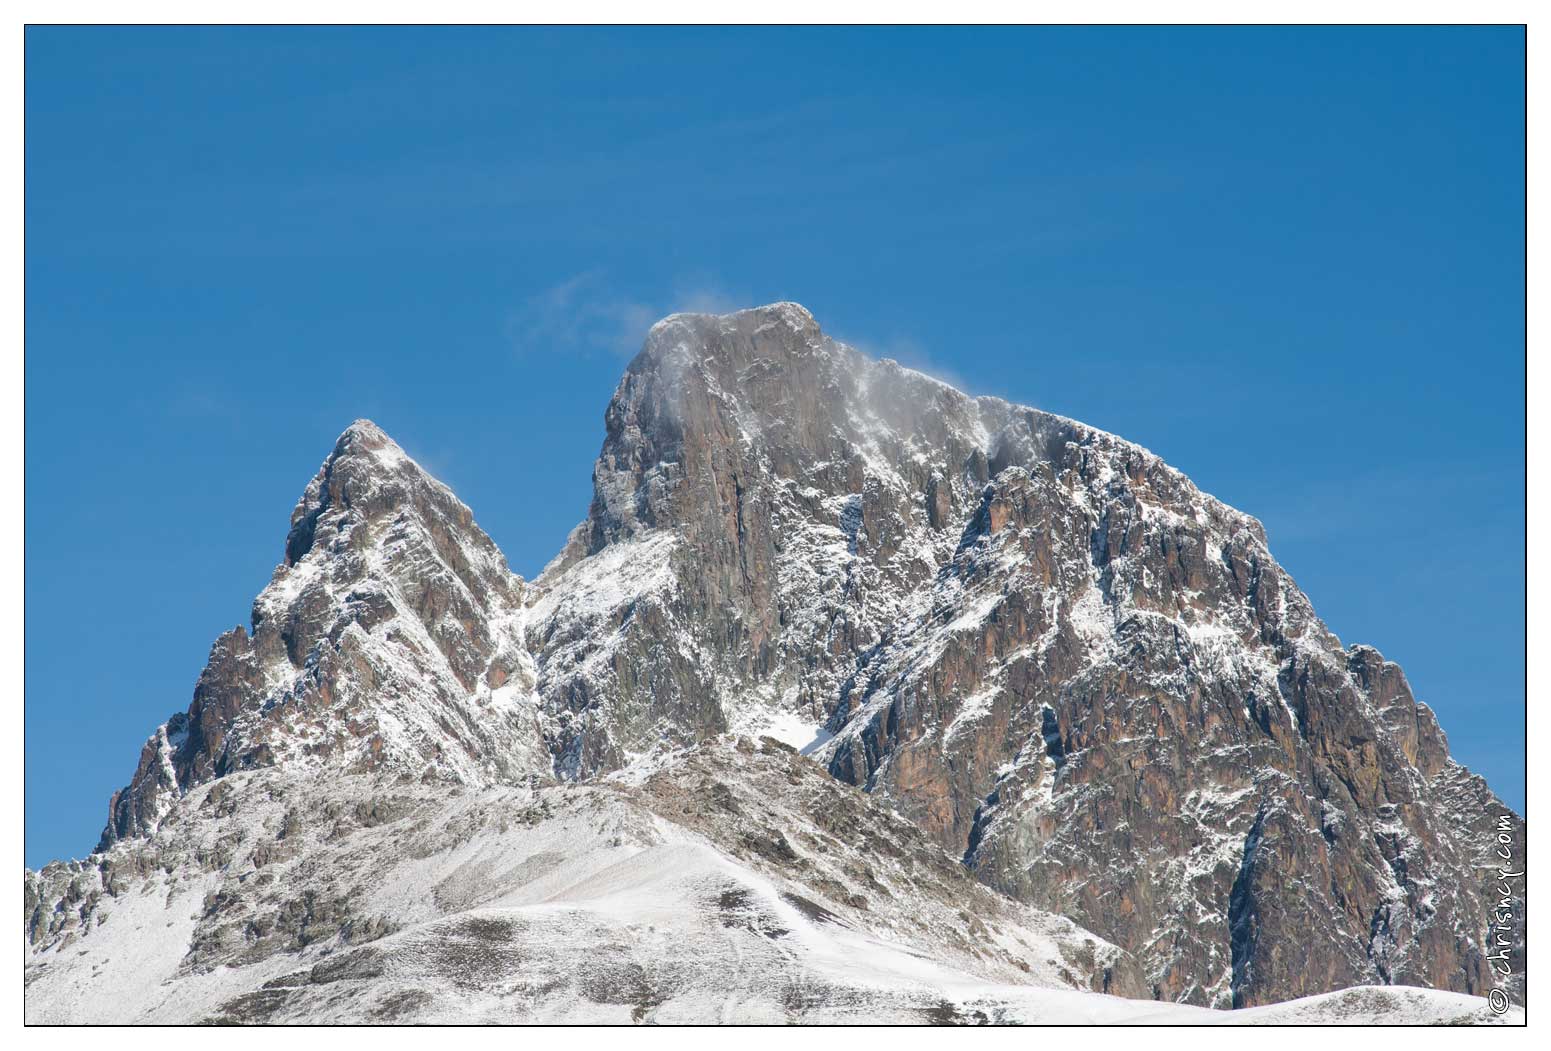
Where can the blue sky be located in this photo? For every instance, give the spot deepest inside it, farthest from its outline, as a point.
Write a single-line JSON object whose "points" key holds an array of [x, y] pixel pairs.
{"points": [[1289, 261]]}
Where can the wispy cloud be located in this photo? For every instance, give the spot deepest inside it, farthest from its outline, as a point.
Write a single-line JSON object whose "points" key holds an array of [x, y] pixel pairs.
{"points": [[586, 314], [580, 315], [701, 294], [913, 354]]}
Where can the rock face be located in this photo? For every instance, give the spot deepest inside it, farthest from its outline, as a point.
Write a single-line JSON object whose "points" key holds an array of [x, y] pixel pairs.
{"points": [[1044, 647]]}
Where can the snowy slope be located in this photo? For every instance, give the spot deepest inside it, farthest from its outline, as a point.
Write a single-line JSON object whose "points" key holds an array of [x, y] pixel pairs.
{"points": [[703, 886]]}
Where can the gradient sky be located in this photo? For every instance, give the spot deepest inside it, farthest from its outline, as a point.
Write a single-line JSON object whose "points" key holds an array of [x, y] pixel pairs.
{"points": [[1290, 261]]}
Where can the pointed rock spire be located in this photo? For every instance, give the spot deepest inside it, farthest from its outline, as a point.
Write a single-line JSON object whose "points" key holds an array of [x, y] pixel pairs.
{"points": [[391, 633]]}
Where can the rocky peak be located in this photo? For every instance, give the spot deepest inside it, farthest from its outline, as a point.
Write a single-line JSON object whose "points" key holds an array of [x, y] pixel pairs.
{"points": [[373, 511], [366, 471], [1041, 643], [684, 400], [391, 634]]}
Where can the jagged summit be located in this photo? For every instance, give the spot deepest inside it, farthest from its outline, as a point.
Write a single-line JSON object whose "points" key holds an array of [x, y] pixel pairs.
{"points": [[364, 439], [362, 458], [390, 635], [366, 430], [1072, 670], [368, 477]]}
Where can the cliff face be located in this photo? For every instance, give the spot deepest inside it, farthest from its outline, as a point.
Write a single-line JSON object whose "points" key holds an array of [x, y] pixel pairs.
{"points": [[1039, 643]]}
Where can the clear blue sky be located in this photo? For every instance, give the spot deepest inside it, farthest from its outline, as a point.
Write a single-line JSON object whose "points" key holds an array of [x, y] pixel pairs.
{"points": [[1289, 261]]}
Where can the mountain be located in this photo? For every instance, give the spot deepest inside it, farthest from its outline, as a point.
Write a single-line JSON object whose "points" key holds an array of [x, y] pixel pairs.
{"points": [[1073, 676]]}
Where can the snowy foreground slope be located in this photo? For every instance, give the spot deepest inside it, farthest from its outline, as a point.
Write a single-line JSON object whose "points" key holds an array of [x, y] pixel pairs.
{"points": [[1026, 670], [735, 882]]}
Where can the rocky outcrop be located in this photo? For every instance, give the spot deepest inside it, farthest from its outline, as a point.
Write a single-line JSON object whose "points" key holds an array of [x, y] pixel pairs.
{"points": [[1045, 648]]}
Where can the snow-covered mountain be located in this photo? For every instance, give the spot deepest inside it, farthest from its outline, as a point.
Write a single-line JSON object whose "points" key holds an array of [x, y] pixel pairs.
{"points": [[1045, 658]]}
